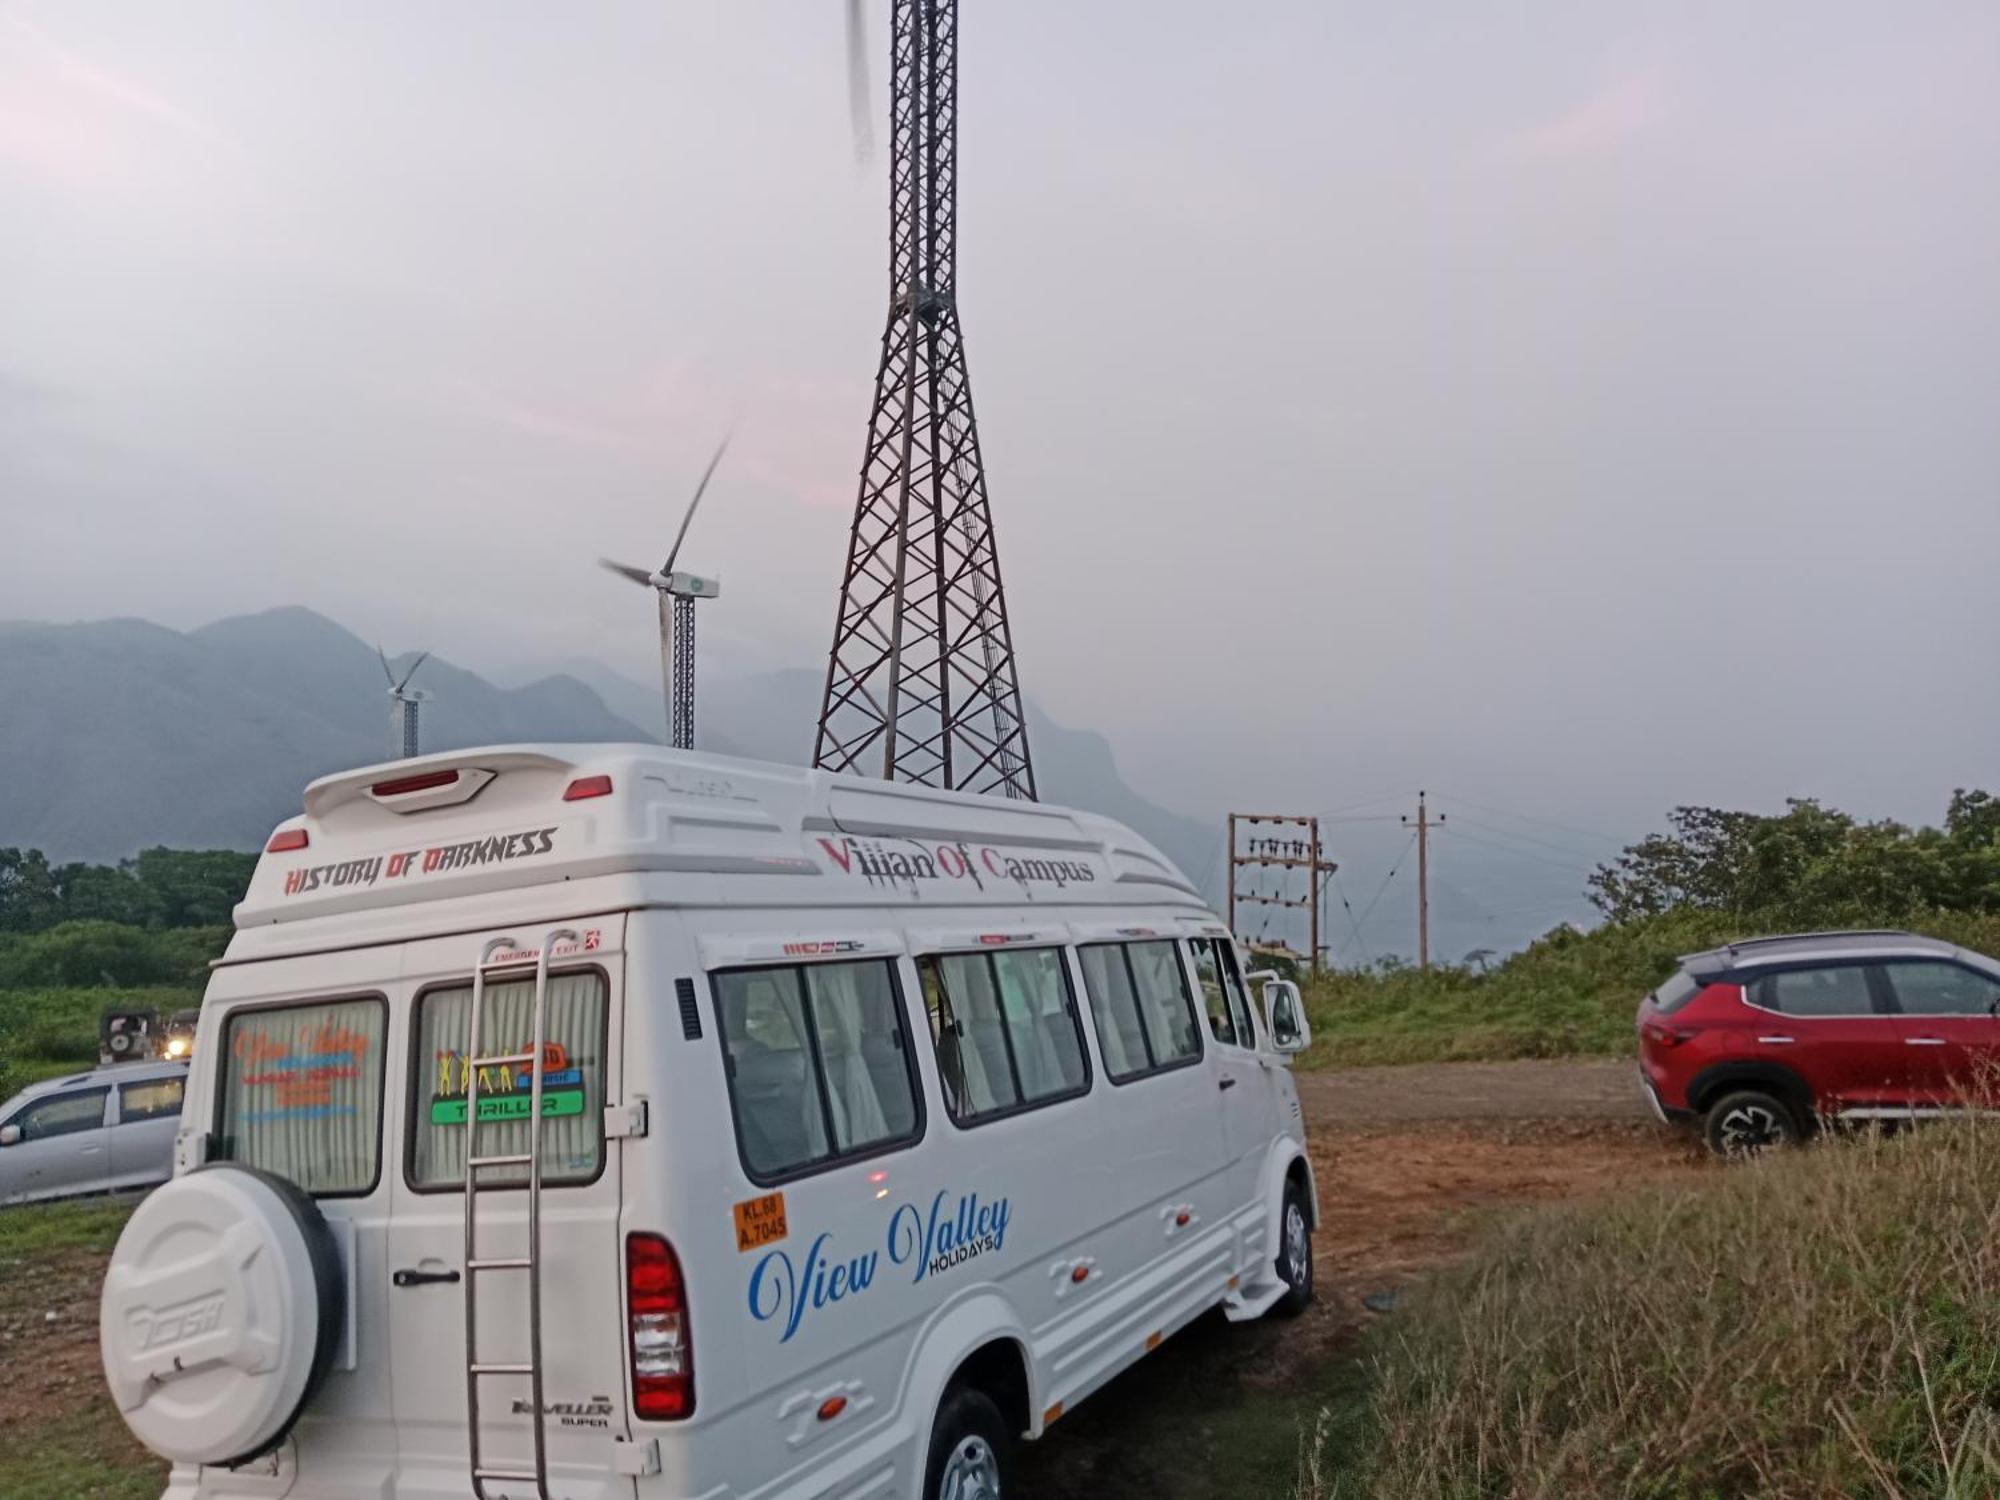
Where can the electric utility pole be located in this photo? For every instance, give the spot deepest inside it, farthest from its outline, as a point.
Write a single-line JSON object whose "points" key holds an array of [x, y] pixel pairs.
{"points": [[1283, 854], [1423, 825]]}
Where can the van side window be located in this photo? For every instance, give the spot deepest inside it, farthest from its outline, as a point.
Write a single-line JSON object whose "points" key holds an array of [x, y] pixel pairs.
{"points": [[156, 1098], [1145, 1015], [302, 1093], [820, 1065], [1208, 972], [572, 1081], [1239, 994], [1006, 1030]]}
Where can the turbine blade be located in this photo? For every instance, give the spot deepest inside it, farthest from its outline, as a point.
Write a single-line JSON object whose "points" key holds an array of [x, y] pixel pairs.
{"points": [[385, 668], [857, 83], [422, 656], [626, 570], [699, 490]]}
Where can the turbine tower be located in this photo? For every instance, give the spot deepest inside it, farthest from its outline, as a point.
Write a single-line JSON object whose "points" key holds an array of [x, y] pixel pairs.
{"points": [[404, 702], [921, 683], [677, 594]]}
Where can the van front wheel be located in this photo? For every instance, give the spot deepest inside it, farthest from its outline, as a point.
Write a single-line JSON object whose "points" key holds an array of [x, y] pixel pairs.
{"points": [[972, 1452], [1295, 1253]]}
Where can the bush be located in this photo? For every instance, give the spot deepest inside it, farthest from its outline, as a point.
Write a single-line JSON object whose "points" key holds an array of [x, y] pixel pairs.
{"points": [[108, 953], [1823, 1324], [1567, 994]]}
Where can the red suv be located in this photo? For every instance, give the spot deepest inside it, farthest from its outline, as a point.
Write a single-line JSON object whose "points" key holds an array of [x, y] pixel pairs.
{"points": [[1759, 1040]]}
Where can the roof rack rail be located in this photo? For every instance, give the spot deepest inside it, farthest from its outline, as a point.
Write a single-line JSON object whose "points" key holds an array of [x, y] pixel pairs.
{"points": [[1833, 932]]}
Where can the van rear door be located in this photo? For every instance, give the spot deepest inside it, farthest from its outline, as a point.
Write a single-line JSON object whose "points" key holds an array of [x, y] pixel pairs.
{"points": [[583, 1338]]}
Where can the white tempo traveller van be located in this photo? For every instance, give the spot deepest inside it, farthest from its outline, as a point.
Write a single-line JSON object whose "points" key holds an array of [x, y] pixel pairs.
{"points": [[613, 1123]]}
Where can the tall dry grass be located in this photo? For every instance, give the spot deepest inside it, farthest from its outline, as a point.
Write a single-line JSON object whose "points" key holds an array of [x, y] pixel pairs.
{"points": [[1823, 1324]]}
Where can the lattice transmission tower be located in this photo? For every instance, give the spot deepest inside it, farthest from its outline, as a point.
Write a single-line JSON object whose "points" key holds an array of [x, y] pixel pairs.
{"points": [[921, 683]]}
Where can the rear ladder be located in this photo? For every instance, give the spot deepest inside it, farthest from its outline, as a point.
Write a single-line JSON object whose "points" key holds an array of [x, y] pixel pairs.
{"points": [[477, 1369]]}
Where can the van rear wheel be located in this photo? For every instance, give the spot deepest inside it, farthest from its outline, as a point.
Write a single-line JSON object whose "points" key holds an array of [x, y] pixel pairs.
{"points": [[972, 1452]]}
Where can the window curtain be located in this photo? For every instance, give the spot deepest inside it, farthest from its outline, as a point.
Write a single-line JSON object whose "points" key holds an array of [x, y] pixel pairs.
{"points": [[302, 1093], [1031, 990], [839, 1005], [571, 1142]]}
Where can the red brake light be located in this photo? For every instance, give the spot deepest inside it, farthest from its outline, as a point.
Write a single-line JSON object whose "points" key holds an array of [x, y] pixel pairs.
{"points": [[585, 787], [657, 1317], [1666, 1036], [403, 785], [285, 840]]}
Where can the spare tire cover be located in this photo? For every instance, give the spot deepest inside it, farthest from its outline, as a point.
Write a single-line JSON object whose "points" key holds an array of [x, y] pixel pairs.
{"points": [[222, 1308]]}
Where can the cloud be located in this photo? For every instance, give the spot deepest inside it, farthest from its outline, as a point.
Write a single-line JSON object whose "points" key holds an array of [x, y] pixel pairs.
{"points": [[1606, 120], [113, 87]]}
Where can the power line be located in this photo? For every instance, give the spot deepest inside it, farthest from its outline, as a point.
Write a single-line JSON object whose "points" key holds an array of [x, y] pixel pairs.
{"points": [[1369, 909], [1359, 941], [1364, 802], [1513, 833], [1524, 854], [1590, 833]]}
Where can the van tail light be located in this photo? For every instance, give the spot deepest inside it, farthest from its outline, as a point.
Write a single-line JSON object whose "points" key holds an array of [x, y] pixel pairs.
{"points": [[585, 787], [657, 1316], [287, 839], [1666, 1036]]}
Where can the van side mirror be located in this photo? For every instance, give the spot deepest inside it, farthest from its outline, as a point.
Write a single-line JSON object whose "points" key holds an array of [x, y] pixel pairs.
{"points": [[10, 1135], [1285, 1017]]}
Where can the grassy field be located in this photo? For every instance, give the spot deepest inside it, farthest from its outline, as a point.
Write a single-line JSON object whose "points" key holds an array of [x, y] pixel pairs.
{"points": [[47, 1031], [63, 1439], [1569, 994], [1822, 1325]]}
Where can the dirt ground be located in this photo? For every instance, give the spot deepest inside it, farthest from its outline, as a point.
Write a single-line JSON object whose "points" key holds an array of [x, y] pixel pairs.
{"points": [[48, 1342], [1411, 1163]]}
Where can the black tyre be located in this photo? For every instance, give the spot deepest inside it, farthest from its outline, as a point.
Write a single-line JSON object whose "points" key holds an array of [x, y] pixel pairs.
{"points": [[1295, 1252], [1747, 1123], [972, 1451]]}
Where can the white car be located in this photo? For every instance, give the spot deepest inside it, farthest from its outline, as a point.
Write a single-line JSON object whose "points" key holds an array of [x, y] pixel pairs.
{"points": [[106, 1131], [612, 1123]]}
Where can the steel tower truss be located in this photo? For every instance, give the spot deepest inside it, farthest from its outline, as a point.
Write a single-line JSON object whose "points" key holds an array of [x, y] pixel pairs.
{"points": [[921, 684]]}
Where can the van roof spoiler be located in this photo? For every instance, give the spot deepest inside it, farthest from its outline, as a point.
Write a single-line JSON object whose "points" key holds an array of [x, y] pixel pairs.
{"points": [[330, 792]]}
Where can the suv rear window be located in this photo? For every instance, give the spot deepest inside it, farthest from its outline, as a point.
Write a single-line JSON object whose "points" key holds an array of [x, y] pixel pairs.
{"points": [[572, 1081], [1838, 990], [1675, 993], [302, 1093]]}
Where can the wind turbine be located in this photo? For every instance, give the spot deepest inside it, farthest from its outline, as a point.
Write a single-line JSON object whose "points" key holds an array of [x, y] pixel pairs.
{"points": [[404, 702], [677, 593]]}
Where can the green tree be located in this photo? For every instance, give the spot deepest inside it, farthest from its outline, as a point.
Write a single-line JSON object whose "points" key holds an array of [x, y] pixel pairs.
{"points": [[103, 893], [29, 896], [194, 887], [1810, 865]]}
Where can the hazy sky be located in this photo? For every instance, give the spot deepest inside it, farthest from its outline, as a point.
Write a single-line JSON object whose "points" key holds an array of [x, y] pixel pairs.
{"points": [[1586, 407]]}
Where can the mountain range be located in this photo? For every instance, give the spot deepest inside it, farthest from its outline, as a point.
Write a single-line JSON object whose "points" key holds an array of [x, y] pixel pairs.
{"points": [[120, 734]]}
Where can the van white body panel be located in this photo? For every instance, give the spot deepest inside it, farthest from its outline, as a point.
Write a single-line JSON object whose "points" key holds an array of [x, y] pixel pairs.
{"points": [[828, 1307]]}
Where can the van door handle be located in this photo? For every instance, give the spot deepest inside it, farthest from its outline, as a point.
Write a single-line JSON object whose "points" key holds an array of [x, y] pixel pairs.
{"points": [[1225, 1083], [1924, 1041], [1774, 1040], [407, 1277]]}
